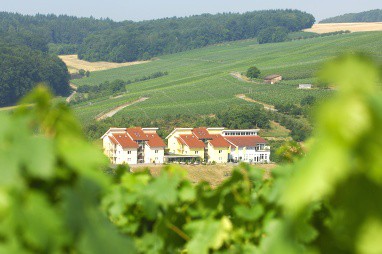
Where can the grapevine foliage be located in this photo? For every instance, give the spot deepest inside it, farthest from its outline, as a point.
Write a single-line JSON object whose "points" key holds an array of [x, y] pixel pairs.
{"points": [[54, 197], [50, 184], [168, 213]]}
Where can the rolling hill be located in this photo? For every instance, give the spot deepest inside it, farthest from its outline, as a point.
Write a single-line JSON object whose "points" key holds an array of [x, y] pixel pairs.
{"points": [[366, 16], [202, 82]]}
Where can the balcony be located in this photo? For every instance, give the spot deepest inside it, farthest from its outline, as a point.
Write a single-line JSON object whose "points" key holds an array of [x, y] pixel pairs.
{"points": [[263, 149]]}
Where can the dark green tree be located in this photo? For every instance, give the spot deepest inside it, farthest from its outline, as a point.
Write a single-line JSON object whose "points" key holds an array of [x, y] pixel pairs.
{"points": [[308, 100], [253, 72], [272, 34], [22, 68]]}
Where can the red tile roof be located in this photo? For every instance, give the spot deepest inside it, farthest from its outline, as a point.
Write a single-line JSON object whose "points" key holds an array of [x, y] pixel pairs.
{"points": [[181, 141], [191, 141], [155, 140], [124, 140], [201, 133], [245, 141], [219, 141], [113, 140], [136, 133]]}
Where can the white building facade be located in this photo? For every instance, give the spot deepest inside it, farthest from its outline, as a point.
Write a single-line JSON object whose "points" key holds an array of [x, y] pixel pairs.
{"points": [[219, 145], [133, 145], [247, 146]]}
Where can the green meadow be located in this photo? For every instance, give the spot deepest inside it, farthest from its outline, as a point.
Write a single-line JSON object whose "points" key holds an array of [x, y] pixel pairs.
{"points": [[200, 81]]}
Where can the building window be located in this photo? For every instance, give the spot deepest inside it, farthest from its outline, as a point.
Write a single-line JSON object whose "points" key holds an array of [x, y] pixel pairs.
{"points": [[220, 158], [128, 159], [128, 152], [156, 151], [220, 151], [196, 152]]}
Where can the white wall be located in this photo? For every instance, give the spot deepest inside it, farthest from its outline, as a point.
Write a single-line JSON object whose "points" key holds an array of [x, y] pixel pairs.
{"points": [[126, 156], [250, 155], [214, 155], [152, 156]]}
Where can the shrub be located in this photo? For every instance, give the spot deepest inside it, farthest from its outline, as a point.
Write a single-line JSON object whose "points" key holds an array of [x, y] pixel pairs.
{"points": [[253, 72]]}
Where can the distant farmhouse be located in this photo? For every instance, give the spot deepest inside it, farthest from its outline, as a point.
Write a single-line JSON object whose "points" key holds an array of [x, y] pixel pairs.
{"points": [[305, 86], [133, 145], [272, 79], [218, 145]]}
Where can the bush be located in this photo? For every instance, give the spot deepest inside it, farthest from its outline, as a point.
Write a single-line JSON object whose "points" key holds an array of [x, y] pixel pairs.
{"points": [[253, 72], [272, 34], [308, 100]]}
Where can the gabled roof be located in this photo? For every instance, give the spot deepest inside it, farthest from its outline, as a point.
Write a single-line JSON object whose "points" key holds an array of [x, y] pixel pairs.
{"points": [[201, 133], [191, 141], [176, 129], [113, 140], [181, 141], [136, 134], [245, 141], [124, 140], [155, 140], [113, 130], [219, 141]]}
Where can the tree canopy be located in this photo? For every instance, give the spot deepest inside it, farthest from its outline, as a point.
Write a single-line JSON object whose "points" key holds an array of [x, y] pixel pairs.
{"points": [[107, 40], [143, 40], [366, 16], [272, 34], [253, 72], [22, 68]]}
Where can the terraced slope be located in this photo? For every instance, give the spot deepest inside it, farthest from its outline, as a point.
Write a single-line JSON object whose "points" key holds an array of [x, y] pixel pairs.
{"points": [[200, 81]]}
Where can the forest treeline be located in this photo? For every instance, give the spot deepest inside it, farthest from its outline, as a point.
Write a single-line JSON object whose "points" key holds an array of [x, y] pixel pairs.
{"points": [[107, 40], [25, 62], [366, 16], [29, 44], [147, 39], [22, 68]]}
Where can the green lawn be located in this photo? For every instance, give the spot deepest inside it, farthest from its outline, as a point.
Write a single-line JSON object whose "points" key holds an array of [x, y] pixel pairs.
{"points": [[199, 81]]}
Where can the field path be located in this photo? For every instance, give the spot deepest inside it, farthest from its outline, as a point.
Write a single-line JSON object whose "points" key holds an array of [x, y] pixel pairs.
{"points": [[266, 106], [243, 78], [119, 108], [74, 87]]}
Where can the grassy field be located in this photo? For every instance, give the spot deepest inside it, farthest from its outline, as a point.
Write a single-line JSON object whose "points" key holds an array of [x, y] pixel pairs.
{"points": [[213, 174], [352, 27], [201, 82], [74, 64]]}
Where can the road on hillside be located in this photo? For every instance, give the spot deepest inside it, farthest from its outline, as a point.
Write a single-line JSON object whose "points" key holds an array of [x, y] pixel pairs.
{"points": [[119, 108]]}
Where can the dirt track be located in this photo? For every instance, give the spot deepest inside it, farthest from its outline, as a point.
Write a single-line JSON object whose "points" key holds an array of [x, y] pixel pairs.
{"points": [[119, 108], [243, 78], [266, 106], [74, 87]]}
